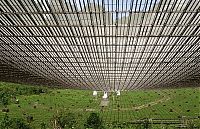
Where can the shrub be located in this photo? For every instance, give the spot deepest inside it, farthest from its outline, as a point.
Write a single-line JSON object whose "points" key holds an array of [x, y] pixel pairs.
{"points": [[144, 125], [9, 92], [4, 99], [13, 123], [43, 125], [5, 110], [19, 124], [191, 125], [90, 100], [65, 120], [5, 122], [179, 117], [29, 119], [94, 121]]}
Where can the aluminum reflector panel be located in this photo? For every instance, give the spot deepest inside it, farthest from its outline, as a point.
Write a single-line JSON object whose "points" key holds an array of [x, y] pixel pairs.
{"points": [[101, 44]]}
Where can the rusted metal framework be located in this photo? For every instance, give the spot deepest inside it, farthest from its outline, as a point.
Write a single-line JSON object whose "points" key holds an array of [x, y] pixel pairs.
{"points": [[101, 44]]}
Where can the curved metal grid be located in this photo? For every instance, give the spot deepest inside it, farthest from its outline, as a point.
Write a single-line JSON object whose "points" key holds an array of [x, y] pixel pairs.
{"points": [[101, 44]]}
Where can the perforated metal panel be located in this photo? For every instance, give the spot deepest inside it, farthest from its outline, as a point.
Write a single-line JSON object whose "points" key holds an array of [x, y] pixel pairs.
{"points": [[101, 44]]}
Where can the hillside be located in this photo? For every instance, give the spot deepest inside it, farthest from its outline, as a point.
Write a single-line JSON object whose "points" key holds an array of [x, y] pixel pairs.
{"points": [[129, 110]]}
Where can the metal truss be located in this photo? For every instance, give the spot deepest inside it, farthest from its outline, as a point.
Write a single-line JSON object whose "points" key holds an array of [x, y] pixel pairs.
{"points": [[100, 44]]}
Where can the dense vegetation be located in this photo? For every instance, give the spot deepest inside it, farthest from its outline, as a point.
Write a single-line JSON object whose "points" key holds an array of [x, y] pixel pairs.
{"points": [[25, 107]]}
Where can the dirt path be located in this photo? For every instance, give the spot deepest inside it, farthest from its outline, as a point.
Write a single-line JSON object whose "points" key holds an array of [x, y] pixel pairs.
{"points": [[145, 105], [139, 107]]}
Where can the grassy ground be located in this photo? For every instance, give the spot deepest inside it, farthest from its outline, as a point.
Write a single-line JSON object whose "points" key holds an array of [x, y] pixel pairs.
{"points": [[128, 107]]}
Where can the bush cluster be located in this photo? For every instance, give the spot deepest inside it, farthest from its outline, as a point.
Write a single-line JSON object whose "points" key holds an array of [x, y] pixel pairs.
{"points": [[13, 123], [9, 92]]}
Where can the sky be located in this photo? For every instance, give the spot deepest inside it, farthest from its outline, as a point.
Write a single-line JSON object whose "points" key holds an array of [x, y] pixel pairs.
{"points": [[120, 5], [113, 5]]}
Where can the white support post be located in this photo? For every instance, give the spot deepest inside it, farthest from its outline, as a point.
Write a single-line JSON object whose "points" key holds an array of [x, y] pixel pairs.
{"points": [[105, 95], [118, 92], [94, 93]]}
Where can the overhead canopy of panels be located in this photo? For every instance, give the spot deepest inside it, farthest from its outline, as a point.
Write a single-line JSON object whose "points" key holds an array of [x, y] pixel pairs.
{"points": [[101, 44]]}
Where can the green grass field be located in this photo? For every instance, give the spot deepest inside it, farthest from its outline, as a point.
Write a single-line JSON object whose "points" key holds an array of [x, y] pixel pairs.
{"points": [[128, 107]]}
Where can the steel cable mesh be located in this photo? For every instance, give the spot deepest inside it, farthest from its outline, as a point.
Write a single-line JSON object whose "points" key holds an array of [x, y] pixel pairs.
{"points": [[101, 44]]}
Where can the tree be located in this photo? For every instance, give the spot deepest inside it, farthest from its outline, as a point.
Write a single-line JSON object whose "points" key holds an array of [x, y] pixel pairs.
{"points": [[13, 123], [64, 121], [67, 120], [94, 121]]}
